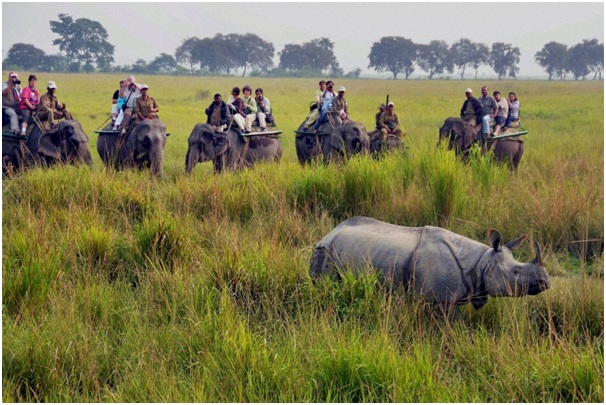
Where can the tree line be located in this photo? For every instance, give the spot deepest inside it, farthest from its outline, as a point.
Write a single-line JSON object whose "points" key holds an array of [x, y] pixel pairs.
{"points": [[83, 46]]}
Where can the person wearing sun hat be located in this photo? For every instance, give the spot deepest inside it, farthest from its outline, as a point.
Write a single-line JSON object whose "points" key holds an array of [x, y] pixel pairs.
{"points": [[382, 109], [390, 123], [11, 94], [339, 104], [471, 112], [50, 109], [146, 106]]}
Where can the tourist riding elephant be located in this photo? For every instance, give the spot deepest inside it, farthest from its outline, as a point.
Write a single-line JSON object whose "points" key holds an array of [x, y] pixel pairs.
{"points": [[229, 149], [66, 142], [346, 140], [462, 136], [142, 147]]}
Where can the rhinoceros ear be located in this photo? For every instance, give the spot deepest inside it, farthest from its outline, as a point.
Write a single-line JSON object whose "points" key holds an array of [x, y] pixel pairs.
{"points": [[514, 244], [494, 237]]}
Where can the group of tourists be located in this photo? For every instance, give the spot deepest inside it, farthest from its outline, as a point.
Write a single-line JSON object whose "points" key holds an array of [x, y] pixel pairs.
{"points": [[486, 108], [26, 105], [132, 96], [244, 111], [327, 101]]}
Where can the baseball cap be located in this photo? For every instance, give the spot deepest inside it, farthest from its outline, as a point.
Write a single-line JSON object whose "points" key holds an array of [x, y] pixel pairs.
{"points": [[144, 86], [342, 88], [390, 103], [51, 85], [468, 90]]}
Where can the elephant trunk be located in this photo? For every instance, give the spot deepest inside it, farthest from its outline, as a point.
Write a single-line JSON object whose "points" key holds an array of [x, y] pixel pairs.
{"points": [[84, 154], [193, 155], [156, 159], [356, 145]]}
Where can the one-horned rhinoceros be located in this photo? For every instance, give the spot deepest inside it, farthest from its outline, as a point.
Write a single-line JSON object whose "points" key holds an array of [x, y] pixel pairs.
{"points": [[439, 265]]}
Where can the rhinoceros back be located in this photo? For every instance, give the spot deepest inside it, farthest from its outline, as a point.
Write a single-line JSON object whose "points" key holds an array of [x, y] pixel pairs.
{"points": [[361, 243]]}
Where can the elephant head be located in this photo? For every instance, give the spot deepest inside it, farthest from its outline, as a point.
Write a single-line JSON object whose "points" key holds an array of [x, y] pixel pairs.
{"points": [[144, 146], [205, 144], [348, 139], [460, 136], [66, 142]]}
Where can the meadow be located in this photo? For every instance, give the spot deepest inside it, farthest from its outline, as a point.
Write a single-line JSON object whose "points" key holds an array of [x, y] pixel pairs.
{"points": [[122, 287]]}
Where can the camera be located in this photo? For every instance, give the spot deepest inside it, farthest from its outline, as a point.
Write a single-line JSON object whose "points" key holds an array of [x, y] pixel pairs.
{"points": [[330, 86], [17, 82]]}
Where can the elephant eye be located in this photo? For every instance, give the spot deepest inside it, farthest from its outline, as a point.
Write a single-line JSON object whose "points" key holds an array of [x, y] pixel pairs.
{"points": [[146, 142]]}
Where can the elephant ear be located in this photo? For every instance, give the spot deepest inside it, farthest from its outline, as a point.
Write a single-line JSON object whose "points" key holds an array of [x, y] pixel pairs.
{"points": [[49, 144], [336, 139], [129, 146]]}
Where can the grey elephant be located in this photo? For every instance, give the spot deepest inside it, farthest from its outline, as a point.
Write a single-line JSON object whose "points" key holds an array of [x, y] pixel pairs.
{"points": [[66, 142], [434, 263], [142, 147], [378, 147], [229, 150], [331, 143], [346, 140], [461, 137]]}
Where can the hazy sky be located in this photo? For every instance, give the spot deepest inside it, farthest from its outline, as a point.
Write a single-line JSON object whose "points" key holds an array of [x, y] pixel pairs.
{"points": [[146, 29]]}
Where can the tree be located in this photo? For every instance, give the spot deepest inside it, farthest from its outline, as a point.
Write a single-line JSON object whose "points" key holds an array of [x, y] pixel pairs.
{"points": [[395, 55], [251, 51], [595, 51], [355, 73], [579, 60], [292, 57], [140, 66], [480, 57], [320, 54], [55, 63], [316, 55], [185, 52], [214, 54], [164, 63], [463, 53], [83, 40], [553, 58], [435, 58], [25, 56], [503, 59]]}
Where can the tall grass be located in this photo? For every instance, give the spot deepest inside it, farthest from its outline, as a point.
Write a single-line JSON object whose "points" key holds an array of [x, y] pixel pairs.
{"points": [[120, 287]]}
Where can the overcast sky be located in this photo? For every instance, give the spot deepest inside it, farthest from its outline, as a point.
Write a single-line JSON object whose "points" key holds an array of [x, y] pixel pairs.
{"points": [[146, 29]]}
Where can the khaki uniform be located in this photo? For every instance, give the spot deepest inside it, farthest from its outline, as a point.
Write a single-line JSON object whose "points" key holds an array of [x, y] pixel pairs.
{"points": [[143, 107], [50, 109], [338, 104], [390, 118]]}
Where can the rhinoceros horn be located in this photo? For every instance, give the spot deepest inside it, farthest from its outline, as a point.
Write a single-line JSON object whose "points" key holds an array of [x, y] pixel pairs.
{"points": [[538, 260]]}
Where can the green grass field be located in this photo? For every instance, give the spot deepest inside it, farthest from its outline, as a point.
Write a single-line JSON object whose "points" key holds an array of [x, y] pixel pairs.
{"points": [[121, 287]]}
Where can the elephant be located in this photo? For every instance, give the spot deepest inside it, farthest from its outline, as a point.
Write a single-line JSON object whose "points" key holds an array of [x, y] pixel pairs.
{"points": [[345, 140], [142, 147], [229, 150], [377, 147], [308, 144], [66, 142], [331, 143], [461, 137]]}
